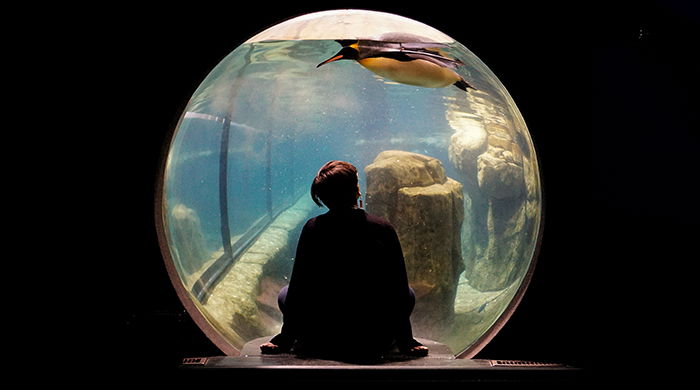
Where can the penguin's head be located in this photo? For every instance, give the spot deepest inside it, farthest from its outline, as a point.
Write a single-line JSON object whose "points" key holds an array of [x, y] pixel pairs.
{"points": [[350, 51]]}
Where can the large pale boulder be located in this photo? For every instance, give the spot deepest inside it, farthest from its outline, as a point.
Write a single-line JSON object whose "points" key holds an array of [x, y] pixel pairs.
{"points": [[499, 174], [394, 169], [466, 145], [426, 208]]}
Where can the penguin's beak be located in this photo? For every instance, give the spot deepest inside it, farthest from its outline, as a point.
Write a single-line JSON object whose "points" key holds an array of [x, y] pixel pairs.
{"points": [[336, 57]]}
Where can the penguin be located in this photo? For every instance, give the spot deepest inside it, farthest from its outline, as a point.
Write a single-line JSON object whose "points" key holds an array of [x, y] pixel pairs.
{"points": [[413, 63]]}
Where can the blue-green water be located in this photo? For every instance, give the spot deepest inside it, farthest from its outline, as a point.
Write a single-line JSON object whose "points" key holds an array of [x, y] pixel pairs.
{"points": [[285, 118]]}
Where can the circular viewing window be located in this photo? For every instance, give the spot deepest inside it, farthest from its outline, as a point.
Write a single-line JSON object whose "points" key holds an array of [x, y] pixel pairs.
{"points": [[442, 150]]}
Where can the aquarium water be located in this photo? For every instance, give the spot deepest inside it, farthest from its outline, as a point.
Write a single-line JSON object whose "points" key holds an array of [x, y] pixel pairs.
{"points": [[236, 178]]}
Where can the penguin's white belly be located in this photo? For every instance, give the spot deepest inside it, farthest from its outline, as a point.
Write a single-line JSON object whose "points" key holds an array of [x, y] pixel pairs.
{"points": [[417, 72]]}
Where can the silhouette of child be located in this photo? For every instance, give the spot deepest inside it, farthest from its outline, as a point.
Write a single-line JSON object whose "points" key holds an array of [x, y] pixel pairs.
{"points": [[348, 296]]}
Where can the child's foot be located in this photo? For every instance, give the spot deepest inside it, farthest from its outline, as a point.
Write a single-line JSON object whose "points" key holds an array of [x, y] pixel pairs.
{"points": [[270, 349], [418, 351], [414, 348]]}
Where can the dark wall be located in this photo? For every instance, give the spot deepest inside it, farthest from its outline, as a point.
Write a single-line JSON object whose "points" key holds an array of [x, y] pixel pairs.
{"points": [[608, 94]]}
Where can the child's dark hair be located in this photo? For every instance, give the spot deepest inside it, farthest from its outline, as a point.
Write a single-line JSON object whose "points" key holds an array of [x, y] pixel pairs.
{"points": [[335, 185]]}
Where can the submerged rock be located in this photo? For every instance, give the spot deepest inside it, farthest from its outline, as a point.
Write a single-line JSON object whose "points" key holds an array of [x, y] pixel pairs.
{"points": [[501, 189], [188, 240], [501, 261], [466, 145], [411, 191], [499, 175], [392, 170]]}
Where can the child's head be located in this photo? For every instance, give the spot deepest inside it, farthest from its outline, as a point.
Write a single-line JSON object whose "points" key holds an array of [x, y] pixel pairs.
{"points": [[335, 185]]}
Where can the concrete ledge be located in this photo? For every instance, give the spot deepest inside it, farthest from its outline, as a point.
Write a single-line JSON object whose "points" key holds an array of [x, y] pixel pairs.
{"points": [[284, 368]]}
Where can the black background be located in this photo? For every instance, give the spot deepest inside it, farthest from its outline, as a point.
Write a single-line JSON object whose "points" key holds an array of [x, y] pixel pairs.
{"points": [[608, 93]]}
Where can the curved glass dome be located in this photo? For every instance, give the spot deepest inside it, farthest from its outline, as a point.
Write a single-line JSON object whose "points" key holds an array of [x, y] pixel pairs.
{"points": [[445, 156]]}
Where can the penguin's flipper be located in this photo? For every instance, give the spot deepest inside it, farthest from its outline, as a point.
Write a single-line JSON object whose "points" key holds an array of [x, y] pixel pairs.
{"points": [[463, 85], [432, 46], [434, 57], [427, 47]]}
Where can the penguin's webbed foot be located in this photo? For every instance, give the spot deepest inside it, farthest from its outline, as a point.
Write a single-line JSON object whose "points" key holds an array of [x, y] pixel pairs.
{"points": [[463, 85]]}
